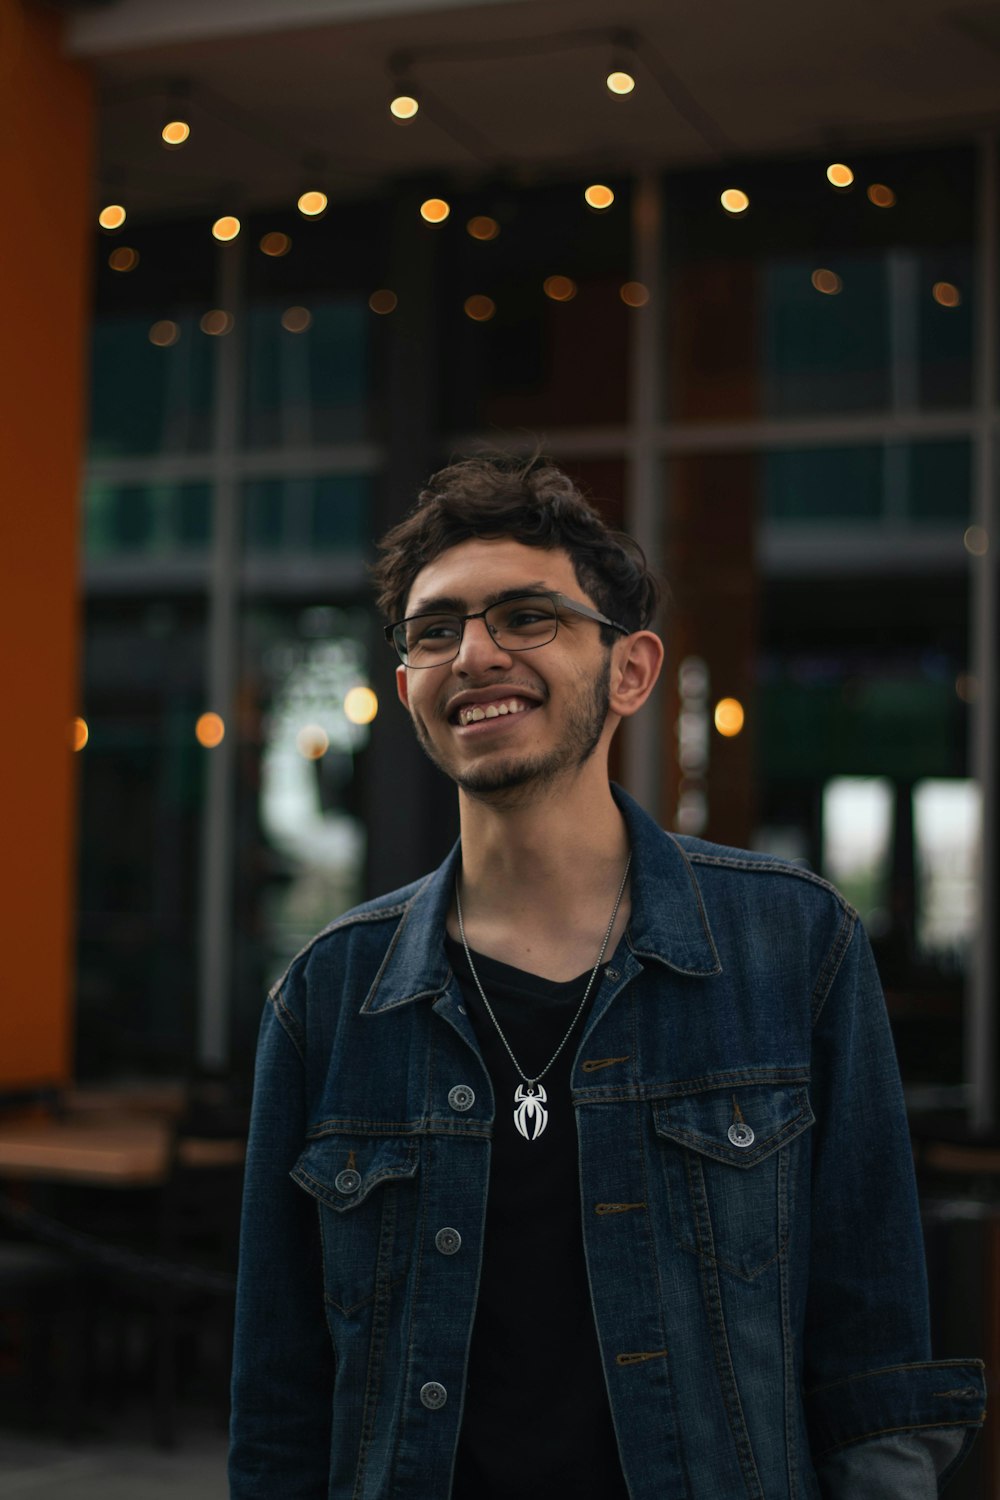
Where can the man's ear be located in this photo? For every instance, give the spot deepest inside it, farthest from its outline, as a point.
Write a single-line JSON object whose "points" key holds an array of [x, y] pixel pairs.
{"points": [[635, 667], [403, 687]]}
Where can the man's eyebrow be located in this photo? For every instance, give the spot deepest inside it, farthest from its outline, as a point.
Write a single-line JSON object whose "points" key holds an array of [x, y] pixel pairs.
{"points": [[453, 605]]}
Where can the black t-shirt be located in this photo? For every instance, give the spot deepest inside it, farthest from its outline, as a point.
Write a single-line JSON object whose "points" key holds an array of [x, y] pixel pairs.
{"points": [[537, 1421]]}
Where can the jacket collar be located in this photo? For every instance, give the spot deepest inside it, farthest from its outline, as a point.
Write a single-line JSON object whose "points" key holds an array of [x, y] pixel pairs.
{"points": [[668, 922]]}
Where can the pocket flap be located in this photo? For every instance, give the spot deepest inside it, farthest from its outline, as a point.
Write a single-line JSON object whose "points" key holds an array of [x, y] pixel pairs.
{"points": [[342, 1170], [737, 1126]]}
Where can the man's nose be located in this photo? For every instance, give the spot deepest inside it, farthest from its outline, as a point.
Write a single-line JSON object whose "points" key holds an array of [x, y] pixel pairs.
{"points": [[478, 650]]}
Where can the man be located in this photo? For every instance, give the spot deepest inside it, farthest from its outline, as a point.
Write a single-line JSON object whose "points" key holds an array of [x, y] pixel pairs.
{"points": [[579, 1167]]}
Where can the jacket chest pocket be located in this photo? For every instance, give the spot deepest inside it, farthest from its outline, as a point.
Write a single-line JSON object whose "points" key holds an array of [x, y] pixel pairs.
{"points": [[727, 1155], [366, 1190]]}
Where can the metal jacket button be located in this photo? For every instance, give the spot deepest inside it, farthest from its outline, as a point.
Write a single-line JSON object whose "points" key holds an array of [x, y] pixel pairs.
{"points": [[347, 1181], [461, 1097], [433, 1395], [448, 1241], [740, 1135]]}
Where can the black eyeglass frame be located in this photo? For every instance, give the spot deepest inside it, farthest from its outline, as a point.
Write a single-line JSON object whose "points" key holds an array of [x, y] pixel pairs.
{"points": [[559, 600]]}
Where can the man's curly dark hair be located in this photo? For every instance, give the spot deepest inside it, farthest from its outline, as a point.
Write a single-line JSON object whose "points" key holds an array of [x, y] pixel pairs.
{"points": [[534, 502]]}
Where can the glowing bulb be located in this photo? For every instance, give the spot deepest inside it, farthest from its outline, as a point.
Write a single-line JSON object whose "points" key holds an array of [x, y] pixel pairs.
{"points": [[383, 301], [559, 288], [175, 132], [729, 717], [827, 282], [275, 243], [482, 227], [360, 705], [404, 106], [164, 333], [634, 294], [311, 204], [434, 210], [124, 258], [735, 201], [881, 196], [946, 294], [312, 741], [598, 196], [977, 541], [79, 734], [210, 731], [226, 228], [112, 217], [839, 174], [479, 308], [620, 82], [296, 319]]}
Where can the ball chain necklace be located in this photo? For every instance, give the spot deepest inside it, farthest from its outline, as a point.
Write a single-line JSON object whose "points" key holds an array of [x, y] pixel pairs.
{"points": [[530, 1114]]}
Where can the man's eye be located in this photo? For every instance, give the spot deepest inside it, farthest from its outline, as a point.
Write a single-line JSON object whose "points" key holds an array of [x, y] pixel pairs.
{"points": [[436, 630]]}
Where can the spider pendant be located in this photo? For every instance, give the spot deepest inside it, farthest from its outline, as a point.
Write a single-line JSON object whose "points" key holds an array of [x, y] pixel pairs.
{"points": [[530, 1114]]}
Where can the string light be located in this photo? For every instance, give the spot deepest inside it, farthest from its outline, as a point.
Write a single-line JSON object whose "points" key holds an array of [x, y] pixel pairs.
{"points": [[312, 741], [434, 210], [226, 228], [620, 81], [634, 294], [977, 540], [296, 319], [164, 333], [79, 734], [312, 203], [598, 196], [729, 717], [735, 201], [111, 217], [839, 174], [217, 323], [383, 301], [482, 227], [880, 195], [275, 243]]}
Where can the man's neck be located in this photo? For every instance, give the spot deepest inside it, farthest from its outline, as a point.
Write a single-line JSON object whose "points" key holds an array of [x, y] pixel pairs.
{"points": [[539, 880]]}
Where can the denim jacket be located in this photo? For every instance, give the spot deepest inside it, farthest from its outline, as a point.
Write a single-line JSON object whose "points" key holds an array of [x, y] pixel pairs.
{"points": [[749, 1215]]}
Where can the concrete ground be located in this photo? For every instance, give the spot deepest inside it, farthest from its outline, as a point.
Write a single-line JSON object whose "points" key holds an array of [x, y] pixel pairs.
{"points": [[122, 1466]]}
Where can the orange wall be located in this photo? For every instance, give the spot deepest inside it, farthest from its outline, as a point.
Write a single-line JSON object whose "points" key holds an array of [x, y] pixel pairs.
{"points": [[46, 129]]}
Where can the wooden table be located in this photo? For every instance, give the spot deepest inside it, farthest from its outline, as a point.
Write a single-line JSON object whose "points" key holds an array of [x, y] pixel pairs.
{"points": [[133, 1152]]}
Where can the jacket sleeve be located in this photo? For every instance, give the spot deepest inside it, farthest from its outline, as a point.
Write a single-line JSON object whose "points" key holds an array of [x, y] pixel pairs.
{"points": [[283, 1362], [884, 1420]]}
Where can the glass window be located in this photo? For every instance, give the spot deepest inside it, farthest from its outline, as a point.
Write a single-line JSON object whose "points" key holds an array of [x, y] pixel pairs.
{"points": [[947, 833], [857, 842], [307, 371], [314, 513], [154, 518]]}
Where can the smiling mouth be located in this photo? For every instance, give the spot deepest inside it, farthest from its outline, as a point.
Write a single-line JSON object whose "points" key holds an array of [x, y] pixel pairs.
{"points": [[473, 713]]}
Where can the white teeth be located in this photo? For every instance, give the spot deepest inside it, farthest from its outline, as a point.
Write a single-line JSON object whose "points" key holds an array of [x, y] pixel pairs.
{"points": [[473, 713]]}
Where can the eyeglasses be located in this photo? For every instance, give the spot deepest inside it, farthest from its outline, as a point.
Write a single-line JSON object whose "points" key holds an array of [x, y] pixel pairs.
{"points": [[520, 623]]}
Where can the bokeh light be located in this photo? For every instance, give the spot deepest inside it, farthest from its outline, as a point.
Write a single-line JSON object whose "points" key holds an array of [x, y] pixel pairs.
{"points": [[226, 228], [79, 733], [275, 243], [634, 294], [620, 82], [210, 730], [559, 288], [383, 301], [404, 106], [111, 217], [216, 323], [312, 204], [598, 196], [360, 705], [977, 540], [946, 294], [839, 174], [729, 717], [175, 132], [482, 227], [123, 258], [479, 308], [881, 196], [296, 319], [735, 201], [312, 741], [434, 210], [827, 282], [164, 333]]}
